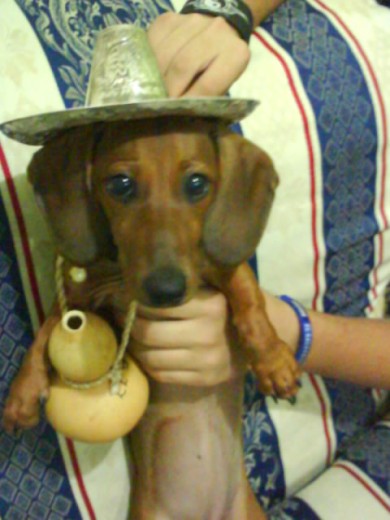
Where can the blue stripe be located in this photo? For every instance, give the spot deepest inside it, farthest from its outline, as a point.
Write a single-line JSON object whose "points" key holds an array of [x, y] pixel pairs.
{"points": [[346, 127], [338, 92], [32, 472], [262, 454], [67, 29], [370, 452]]}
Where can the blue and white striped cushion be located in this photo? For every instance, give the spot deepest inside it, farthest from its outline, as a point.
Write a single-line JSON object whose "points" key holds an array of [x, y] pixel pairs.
{"points": [[322, 73]]}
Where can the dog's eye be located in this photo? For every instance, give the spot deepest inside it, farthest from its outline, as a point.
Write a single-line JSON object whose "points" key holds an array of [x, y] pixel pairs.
{"points": [[122, 187], [196, 186]]}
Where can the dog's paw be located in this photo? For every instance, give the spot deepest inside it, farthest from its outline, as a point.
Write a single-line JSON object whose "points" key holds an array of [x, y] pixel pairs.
{"points": [[278, 372], [22, 407]]}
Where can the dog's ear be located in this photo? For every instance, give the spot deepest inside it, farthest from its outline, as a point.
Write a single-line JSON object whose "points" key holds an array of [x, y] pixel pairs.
{"points": [[59, 173], [237, 218]]}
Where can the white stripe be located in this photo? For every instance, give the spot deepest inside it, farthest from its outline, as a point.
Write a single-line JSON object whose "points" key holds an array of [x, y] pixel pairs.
{"points": [[337, 495], [72, 478], [105, 471], [327, 416], [27, 86], [106, 476], [301, 438], [277, 127]]}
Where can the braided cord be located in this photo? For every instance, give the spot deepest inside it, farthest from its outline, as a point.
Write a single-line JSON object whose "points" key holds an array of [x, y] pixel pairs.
{"points": [[60, 285], [115, 372]]}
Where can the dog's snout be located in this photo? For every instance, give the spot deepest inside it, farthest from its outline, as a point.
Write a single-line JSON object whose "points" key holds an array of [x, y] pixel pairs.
{"points": [[165, 287]]}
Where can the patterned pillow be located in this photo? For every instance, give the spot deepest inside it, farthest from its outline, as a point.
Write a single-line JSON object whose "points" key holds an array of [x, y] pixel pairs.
{"points": [[321, 71]]}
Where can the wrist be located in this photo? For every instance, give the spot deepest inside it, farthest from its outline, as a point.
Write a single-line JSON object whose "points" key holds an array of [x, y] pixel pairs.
{"points": [[283, 320], [303, 346], [235, 12], [292, 324], [262, 10]]}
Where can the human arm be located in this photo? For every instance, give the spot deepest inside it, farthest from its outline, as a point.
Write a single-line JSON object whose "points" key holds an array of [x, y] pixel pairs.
{"points": [[261, 9], [202, 55], [192, 344], [346, 348]]}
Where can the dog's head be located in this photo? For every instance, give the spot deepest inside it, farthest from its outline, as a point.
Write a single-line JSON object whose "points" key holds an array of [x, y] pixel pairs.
{"points": [[166, 196]]}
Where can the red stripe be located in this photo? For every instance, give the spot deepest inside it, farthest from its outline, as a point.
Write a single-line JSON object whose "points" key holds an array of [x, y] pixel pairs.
{"points": [[79, 477], [37, 300], [383, 118], [324, 415], [308, 138], [23, 235], [364, 483]]}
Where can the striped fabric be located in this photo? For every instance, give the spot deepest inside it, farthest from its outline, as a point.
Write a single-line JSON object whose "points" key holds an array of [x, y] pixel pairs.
{"points": [[322, 73]]}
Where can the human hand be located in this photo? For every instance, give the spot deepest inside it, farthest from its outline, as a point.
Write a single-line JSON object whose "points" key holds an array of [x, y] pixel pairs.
{"points": [[189, 344], [198, 55]]}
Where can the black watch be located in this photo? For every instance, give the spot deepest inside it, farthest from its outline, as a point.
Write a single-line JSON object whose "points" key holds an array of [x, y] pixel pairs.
{"points": [[235, 12]]}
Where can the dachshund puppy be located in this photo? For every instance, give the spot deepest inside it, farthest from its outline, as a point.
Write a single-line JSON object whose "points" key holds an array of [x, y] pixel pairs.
{"points": [[156, 209]]}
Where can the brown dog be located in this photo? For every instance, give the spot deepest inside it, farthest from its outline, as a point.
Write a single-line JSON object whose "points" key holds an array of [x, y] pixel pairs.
{"points": [[156, 209]]}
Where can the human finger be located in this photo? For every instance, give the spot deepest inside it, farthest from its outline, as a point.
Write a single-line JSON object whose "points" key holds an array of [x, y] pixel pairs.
{"points": [[206, 302], [189, 48], [207, 66], [162, 27], [185, 366], [221, 72], [170, 31], [168, 36], [192, 333], [183, 377], [157, 358]]}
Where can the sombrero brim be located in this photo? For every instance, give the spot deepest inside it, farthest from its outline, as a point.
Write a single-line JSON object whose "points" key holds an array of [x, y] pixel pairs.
{"points": [[38, 129]]}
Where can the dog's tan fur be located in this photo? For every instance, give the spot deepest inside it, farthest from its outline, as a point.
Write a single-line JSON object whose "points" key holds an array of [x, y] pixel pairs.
{"points": [[187, 449]]}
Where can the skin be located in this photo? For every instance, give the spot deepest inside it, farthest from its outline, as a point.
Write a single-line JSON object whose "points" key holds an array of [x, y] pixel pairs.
{"points": [[201, 55], [351, 349]]}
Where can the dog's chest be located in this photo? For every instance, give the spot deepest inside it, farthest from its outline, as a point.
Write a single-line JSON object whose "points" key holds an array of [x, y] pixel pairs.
{"points": [[187, 448]]}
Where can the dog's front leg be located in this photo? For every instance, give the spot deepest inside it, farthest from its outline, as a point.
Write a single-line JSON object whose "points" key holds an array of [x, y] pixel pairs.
{"points": [[31, 383], [270, 358]]}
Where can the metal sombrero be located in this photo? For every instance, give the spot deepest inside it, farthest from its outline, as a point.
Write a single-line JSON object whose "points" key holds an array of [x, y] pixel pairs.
{"points": [[124, 84]]}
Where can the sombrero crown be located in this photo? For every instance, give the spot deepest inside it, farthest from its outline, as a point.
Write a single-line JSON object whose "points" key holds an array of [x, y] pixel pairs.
{"points": [[124, 84]]}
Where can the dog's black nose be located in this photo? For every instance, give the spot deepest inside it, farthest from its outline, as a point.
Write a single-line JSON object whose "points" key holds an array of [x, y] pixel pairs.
{"points": [[165, 287]]}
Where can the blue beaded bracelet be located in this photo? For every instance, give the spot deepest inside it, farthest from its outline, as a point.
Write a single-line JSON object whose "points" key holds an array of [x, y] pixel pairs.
{"points": [[306, 331]]}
